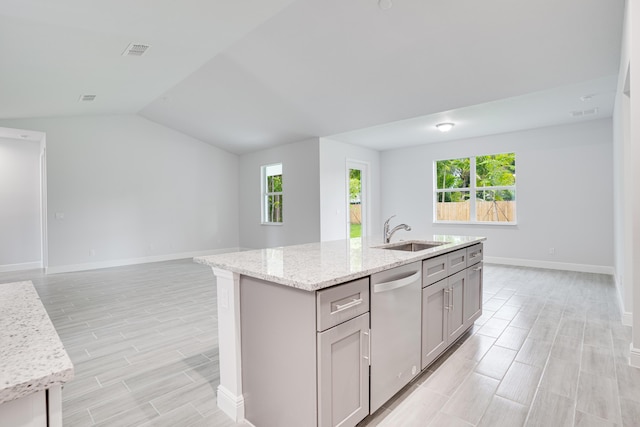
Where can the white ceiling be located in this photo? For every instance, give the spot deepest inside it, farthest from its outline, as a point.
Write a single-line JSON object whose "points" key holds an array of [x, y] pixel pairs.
{"points": [[538, 109], [54, 51], [249, 74]]}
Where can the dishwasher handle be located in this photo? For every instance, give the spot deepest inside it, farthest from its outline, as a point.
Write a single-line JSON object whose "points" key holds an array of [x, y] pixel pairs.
{"points": [[395, 284]]}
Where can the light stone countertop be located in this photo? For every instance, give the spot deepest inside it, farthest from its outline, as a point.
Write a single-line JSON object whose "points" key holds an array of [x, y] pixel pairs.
{"points": [[315, 266], [32, 357]]}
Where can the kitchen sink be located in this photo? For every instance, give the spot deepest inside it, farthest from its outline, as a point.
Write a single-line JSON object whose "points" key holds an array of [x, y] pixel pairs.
{"points": [[412, 246]]}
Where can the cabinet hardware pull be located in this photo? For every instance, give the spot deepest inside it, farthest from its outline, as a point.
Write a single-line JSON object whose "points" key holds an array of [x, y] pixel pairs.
{"points": [[451, 299], [446, 293], [477, 269], [348, 305], [368, 356]]}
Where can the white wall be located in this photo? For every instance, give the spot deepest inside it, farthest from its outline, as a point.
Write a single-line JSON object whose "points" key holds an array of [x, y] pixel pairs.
{"points": [[131, 190], [631, 53], [623, 180], [333, 187], [301, 196], [564, 193], [20, 203], [621, 168]]}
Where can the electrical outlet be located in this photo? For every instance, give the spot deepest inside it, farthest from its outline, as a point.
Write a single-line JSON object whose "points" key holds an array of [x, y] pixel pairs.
{"points": [[552, 251], [59, 215]]}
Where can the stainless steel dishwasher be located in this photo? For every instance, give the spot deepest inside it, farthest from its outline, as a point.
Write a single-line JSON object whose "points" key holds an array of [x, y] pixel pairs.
{"points": [[396, 303]]}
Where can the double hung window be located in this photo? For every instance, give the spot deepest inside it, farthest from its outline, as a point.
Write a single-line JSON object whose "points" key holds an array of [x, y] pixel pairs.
{"points": [[272, 194], [480, 189]]}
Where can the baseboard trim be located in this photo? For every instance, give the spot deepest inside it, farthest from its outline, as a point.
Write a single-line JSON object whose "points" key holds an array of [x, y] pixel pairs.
{"points": [[627, 316], [231, 404], [583, 268], [634, 356], [132, 261], [19, 267]]}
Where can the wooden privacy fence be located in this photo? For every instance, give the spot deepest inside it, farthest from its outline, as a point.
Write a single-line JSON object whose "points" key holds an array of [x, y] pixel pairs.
{"points": [[485, 211], [355, 213]]}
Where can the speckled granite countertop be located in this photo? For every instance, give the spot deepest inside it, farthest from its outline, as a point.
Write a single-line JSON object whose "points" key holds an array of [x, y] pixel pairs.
{"points": [[32, 357], [315, 266]]}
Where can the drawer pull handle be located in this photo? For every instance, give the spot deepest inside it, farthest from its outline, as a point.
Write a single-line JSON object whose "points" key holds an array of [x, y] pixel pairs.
{"points": [[447, 306], [348, 305], [477, 269]]}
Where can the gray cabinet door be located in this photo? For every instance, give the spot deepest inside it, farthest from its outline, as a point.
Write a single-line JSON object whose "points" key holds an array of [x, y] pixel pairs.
{"points": [[456, 324], [473, 295], [343, 373], [434, 321]]}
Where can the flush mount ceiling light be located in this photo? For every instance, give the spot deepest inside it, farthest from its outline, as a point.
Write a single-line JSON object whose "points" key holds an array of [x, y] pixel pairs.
{"points": [[444, 127], [385, 4]]}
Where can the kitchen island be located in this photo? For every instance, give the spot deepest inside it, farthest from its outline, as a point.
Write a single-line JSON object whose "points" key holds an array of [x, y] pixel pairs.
{"points": [[33, 362], [298, 334]]}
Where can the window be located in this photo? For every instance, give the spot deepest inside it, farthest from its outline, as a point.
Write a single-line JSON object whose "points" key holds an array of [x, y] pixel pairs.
{"points": [[479, 189], [272, 194]]}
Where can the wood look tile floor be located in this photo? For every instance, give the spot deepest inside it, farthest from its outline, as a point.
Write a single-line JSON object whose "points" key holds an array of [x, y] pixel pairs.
{"points": [[549, 350]]}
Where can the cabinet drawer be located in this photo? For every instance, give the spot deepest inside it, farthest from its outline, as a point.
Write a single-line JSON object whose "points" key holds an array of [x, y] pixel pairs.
{"points": [[457, 261], [474, 254], [434, 269], [342, 302]]}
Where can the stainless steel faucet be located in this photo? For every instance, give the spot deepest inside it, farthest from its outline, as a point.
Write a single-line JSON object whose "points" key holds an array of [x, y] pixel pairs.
{"points": [[388, 233]]}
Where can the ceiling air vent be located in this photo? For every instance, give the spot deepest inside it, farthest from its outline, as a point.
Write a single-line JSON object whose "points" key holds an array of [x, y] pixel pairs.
{"points": [[582, 113], [135, 49], [87, 98]]}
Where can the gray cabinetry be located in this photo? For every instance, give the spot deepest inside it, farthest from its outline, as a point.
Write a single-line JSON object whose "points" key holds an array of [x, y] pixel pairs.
{"points": [[434, 270], [452, 304], [457, 286], [434, 321], [329, 358], [343, 353], [456, 261], [473, 286], [442, 315], [340, 303], [343, 373], [305, 355]]}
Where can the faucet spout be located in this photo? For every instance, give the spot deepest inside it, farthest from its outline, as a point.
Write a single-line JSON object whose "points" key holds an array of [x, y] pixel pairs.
{"points": [[388, 233]]}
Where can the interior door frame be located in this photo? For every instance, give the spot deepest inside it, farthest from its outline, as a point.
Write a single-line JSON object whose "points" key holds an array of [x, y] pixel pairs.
{"points": [[364, 195], [44, 241]]}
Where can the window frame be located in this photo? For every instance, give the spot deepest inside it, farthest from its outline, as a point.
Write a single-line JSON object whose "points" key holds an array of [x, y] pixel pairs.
{"points": [[265, 194], [473, 189]]}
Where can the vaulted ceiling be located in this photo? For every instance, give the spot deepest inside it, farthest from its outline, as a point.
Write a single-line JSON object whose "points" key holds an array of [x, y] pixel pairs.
{"points": [[248, 74]]}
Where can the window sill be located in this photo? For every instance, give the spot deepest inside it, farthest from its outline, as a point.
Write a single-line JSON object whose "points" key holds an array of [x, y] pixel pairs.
{"points": [[479, 223], [272, 223]]}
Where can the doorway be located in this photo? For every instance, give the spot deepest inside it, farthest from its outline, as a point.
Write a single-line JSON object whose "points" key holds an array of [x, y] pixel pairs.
{"points": [[356, 199], [24, 194]]}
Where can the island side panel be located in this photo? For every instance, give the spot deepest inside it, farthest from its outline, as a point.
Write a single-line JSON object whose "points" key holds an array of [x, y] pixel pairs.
{"points": [[230, 399], [278, 354]]}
